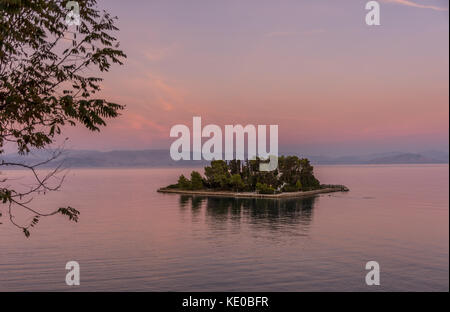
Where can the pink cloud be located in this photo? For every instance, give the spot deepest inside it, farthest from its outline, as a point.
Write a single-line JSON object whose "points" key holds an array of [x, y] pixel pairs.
{"points": [[417, 5], [158, 54]]}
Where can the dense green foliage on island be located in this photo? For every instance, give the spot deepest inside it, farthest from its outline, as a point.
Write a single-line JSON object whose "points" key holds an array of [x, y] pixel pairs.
{"points": [[292, 175]]}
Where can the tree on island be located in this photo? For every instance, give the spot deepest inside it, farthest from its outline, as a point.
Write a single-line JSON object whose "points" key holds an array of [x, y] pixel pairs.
{"points": [[293, 174], [184, 183], [236, 182], [46, 82], [196, 181]]}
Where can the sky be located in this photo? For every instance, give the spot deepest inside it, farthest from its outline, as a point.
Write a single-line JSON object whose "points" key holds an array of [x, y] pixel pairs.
{"points": [[332, 84]]}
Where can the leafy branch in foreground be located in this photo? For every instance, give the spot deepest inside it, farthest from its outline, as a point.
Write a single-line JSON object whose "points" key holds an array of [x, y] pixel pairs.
{"points": [[46, 83]]}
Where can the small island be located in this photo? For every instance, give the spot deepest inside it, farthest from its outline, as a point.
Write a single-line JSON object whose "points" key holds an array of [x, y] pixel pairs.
{"points": [[294, 177]]}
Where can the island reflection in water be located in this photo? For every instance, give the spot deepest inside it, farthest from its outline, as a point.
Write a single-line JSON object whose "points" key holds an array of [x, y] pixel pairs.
{"points": [[266, 213]]}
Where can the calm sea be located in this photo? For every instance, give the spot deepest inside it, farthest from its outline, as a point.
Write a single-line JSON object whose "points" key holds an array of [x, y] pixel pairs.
{"points": [[131, 238]]}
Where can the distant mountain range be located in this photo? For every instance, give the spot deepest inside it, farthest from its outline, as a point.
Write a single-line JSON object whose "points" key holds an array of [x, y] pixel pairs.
{"points": [[427, 157], [161, 158]]}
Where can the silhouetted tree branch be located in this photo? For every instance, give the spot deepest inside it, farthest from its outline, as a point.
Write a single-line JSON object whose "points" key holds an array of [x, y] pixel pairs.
{"points": [[44, 87]]}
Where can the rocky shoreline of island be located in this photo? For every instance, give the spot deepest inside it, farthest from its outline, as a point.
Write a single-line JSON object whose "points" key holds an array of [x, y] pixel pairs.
{"points": [[328, 189]]}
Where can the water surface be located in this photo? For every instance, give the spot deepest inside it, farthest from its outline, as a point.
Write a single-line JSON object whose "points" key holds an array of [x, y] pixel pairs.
{"points": [[131, 238]]}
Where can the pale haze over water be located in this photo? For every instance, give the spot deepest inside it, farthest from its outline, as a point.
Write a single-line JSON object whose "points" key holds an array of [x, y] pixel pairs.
{"points": [[131, 238]]}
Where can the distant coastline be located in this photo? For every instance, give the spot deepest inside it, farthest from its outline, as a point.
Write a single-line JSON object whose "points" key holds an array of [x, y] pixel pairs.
{"points": [[161, 159]]}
